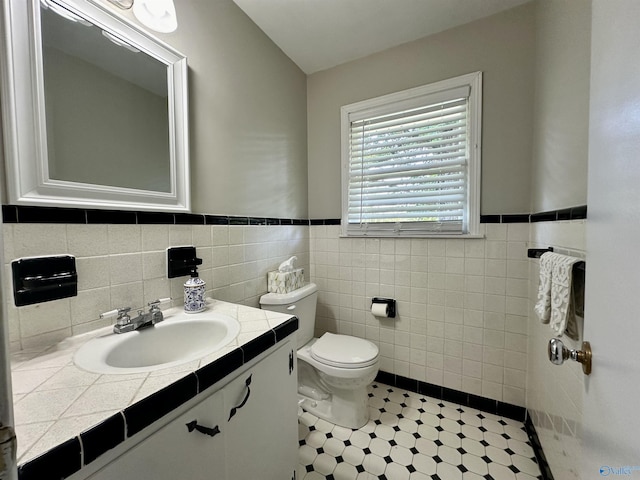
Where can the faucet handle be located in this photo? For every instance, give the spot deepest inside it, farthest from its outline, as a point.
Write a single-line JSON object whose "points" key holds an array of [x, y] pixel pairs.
{"points": [[122, 313], [155, 304]]}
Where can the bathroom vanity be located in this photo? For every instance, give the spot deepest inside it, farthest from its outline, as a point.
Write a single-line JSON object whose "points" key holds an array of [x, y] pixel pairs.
{"points": [[244, 429], [230, 415]]}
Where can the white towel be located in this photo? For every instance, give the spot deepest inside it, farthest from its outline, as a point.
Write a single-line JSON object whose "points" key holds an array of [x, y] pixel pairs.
{"points": [[555, 303]]}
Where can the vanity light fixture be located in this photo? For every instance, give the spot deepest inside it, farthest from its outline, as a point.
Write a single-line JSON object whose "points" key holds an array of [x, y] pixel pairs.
{"points": [[123, 4], [64, 13], [119, 42], [158, 15]]}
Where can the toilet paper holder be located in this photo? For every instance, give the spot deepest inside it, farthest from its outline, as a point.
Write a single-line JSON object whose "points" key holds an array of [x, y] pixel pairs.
{"points": [[389, 302]]}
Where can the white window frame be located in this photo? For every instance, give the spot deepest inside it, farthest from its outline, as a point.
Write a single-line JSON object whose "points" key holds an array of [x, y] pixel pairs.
{"points": [[398, 101]]}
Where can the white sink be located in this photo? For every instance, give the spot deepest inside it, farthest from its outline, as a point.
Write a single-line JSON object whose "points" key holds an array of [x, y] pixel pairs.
{"points": [[178, 339]]}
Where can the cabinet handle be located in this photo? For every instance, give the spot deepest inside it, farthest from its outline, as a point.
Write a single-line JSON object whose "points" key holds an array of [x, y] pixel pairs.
{"points": [[235, 409], [291, 362], [193, 425]]}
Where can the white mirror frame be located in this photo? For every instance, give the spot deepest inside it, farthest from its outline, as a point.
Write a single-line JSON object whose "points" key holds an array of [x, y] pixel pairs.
{"points": [[25, 139]]}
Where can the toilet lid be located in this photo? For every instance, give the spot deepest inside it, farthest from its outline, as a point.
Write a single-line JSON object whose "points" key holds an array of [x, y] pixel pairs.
{"points": [[344, 351]]}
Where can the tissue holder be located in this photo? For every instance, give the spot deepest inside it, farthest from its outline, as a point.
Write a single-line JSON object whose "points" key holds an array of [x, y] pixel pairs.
{"points": [[285, 282]]}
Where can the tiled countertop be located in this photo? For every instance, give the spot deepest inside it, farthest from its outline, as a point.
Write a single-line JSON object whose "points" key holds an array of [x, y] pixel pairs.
{"points": [[55, 401]]}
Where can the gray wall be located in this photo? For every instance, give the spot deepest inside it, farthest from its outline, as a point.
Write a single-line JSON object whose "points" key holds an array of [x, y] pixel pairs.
{"points": [[561, 112], [248, 114], [502, 46], [248, 133]]}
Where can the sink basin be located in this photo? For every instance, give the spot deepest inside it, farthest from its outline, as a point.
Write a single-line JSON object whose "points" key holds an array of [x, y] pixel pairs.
{"points": [[176, 340]]}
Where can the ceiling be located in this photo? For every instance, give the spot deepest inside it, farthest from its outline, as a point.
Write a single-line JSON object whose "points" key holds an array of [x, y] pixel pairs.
{"points": [[320, 34]]}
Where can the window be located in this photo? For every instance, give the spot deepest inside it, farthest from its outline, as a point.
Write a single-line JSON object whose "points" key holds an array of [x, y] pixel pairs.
{"points": [[411, 161]]}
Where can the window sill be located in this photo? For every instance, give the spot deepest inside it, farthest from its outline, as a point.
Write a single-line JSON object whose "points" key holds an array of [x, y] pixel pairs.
{"points": [[426, 236]]}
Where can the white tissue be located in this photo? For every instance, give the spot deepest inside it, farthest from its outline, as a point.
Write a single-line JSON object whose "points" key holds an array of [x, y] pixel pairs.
{"points": [[380, 309], [287, 265]]}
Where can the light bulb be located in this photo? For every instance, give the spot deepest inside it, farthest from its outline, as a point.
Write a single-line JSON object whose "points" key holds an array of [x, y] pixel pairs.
{"points": [[158, 15]]}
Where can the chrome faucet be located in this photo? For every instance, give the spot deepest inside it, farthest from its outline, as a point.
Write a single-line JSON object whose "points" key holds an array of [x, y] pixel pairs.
{"points": [[124, 323]]}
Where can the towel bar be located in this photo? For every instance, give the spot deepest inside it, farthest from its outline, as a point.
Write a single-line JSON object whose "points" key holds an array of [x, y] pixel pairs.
{"points": [[538, 252]]}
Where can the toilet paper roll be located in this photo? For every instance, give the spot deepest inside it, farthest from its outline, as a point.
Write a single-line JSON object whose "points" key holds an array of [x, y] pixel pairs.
{"points": [[380, 309]]}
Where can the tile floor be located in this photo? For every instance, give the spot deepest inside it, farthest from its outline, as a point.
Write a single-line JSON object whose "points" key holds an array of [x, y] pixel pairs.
{"points": [[413, 437]]}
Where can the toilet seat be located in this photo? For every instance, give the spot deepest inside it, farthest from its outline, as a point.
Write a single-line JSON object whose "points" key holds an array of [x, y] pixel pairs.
{"points": [[344, 351]]}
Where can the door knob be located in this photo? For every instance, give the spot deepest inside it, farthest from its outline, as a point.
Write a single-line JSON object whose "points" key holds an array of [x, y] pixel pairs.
{"points": [[558, 353]]}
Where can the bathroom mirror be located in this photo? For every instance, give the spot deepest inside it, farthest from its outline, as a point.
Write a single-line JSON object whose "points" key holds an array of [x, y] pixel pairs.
{"points": [[94, 110]]}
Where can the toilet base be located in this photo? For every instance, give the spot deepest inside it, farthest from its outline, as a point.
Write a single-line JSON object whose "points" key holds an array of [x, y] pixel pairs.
{"points": [[347, 408], [336, 394]]}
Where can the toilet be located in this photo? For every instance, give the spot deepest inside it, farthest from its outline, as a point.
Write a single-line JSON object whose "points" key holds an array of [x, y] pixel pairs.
{"points": [[333, 370]]}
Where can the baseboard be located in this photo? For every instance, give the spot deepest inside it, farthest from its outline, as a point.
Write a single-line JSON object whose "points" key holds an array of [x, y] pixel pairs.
{"points": [[496, 407], [545, 470]]}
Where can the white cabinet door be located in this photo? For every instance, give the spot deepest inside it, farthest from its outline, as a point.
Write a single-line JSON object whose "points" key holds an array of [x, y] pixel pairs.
{"points": [[261, 434], [179, 450]]}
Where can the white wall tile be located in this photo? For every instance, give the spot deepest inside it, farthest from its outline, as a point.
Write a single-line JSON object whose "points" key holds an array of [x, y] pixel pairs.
{"points": [[124, 238], [87, 240], [452, 294], [518, 232], [89, 304], [552, 392], [93, 272], [496, 231], [125, 268], [125, 265], [44, 317], [31, 240], [154, 265], [154, 237]]}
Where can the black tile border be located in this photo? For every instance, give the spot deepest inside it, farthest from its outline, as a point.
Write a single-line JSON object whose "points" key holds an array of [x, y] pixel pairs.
{"points": [[155, 218], [143, 413], [110, 217], [516, 218], [544, 217], [285, 329], [102, 437], [490, 219], [218, 369], [31, 214], [545, 470], [61, 461], [189, 219], [9, 214], [571, 213], [488, 405], [255, 347], [216, 220], [66, 459], [574, 213]]}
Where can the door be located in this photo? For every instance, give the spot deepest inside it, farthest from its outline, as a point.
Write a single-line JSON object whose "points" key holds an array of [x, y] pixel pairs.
{"points": [[611, 424], [262, 429]]}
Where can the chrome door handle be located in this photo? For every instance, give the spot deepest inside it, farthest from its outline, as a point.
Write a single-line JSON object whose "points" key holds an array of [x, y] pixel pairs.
{"points": [[558, 353]]}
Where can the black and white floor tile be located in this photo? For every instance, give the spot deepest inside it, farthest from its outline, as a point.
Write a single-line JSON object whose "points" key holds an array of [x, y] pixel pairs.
{"points": [[413, 437]]}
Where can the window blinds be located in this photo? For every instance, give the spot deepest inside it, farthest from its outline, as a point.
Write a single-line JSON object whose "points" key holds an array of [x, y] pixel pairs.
{"points": [[408, 169]]}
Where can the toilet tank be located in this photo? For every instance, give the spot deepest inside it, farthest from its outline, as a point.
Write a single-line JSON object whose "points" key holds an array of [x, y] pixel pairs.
{"points": [[301, 303]]}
